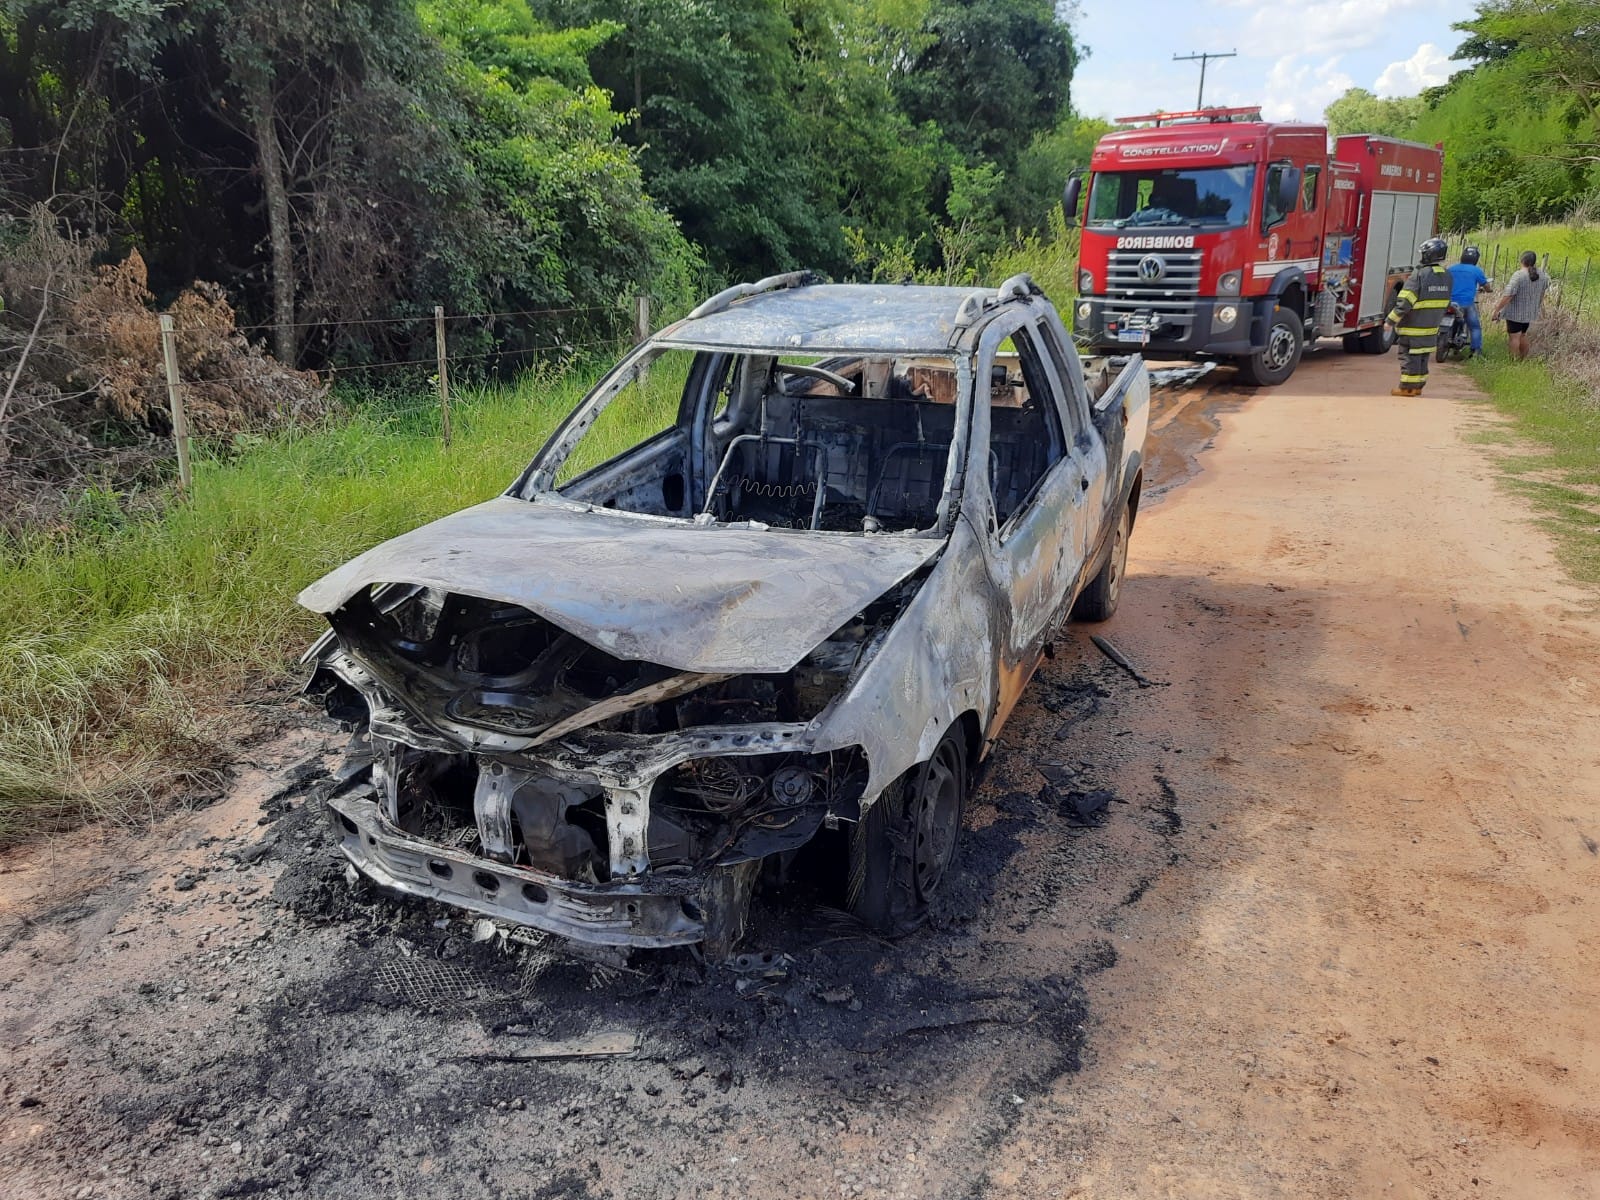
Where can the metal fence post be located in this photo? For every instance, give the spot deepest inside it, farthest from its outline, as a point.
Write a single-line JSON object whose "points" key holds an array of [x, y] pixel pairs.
{"points": [[444, 377], [180, 420]]}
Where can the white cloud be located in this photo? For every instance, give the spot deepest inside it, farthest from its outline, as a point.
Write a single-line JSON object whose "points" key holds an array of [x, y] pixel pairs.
{"points": [[1298, 90], [1287, 27], [1428, 67]]}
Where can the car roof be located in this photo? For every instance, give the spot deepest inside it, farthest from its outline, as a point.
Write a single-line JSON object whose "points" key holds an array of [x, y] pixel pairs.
{"points": [[868, 317]]}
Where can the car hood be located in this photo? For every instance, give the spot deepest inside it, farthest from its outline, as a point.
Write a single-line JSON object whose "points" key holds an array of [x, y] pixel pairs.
{"points": [[695, 598]]}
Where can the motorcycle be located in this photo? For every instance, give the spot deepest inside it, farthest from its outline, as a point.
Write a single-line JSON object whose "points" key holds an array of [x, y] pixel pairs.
{"points": [[1455, 339]]}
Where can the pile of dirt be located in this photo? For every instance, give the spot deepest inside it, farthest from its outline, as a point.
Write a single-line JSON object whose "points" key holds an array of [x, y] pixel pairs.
{"points": [[83, 390]]}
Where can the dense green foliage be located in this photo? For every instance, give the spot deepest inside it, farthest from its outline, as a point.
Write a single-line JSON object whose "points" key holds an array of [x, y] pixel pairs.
{"points": [[458, 155], [333, 163], [1520, 125]]}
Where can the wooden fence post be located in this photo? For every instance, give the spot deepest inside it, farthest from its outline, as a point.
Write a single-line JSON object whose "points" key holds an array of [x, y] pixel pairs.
{"points": [[641, 318], [1583, 288], [180, 420], [1561, 291], [444, 377], [1494, 264], [641, 330]]}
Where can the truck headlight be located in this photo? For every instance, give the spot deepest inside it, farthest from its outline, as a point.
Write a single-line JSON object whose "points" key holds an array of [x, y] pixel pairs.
{"points": [[1226, 315], [1228, 285], [1083, 312], [1085, 282]]}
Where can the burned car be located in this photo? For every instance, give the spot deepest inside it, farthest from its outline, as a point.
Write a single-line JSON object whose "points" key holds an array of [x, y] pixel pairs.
{"points": [[774, 585]]}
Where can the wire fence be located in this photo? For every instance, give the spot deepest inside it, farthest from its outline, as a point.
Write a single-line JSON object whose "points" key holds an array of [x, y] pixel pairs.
{"points": [[1574, 278], [435, 372]]}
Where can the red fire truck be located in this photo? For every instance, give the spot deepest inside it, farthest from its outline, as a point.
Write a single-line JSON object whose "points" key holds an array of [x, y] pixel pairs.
{"points": [[1215, 234]]}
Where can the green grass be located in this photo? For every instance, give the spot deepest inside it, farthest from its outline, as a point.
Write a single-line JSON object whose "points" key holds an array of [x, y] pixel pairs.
{"points": [[1559, 418], [123, 641], [1568, 246]]}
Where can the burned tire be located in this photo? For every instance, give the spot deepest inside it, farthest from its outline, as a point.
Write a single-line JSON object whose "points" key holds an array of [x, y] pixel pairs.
{"points": [[902, 850], [1098, 601], [1275, 361]]}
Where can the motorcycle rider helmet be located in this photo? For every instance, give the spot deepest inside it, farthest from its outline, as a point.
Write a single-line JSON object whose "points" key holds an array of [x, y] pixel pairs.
{"points": [[1470, 256], [1432, 251]]}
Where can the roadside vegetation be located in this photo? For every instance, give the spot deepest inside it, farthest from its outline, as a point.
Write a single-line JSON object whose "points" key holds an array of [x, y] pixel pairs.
{"points": [[1520, 119], [1552, 399], [128, 637]]}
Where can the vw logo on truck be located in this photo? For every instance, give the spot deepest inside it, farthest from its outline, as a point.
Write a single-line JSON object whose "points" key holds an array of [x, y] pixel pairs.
{"points": [[1152, 267]]}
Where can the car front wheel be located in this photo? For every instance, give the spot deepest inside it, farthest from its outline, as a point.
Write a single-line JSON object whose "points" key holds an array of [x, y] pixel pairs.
{"points": [[901, 851]]}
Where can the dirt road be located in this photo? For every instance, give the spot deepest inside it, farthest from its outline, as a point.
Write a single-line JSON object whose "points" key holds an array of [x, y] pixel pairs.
{"points": [[1336, 937]]}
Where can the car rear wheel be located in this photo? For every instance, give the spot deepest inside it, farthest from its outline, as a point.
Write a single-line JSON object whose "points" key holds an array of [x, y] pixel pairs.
{"points": [[1275, 361], [902, 850], [1098, 601]]}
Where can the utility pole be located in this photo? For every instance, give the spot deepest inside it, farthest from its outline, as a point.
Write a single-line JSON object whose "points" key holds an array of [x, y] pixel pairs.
{"points": [[1202, 59]]}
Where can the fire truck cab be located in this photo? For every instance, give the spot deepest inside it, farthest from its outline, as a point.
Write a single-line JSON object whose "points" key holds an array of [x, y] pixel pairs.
{"points": [[1215, 234]]}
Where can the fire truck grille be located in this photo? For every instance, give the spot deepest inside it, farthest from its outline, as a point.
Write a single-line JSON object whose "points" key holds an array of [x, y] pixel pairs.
{"points": [[1161, 283], [1157, 274]]}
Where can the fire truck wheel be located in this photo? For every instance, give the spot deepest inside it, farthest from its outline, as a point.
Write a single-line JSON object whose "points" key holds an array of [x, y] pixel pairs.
{"points": [[1352, 343], [1275, 361], [1378, 341]]}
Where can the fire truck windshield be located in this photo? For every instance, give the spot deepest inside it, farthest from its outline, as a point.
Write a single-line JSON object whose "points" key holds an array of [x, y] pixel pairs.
{"points": [[1216, 197]]}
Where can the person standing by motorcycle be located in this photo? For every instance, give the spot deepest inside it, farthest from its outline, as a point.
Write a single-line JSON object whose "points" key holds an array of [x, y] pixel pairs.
{"points": [[1467, 282], [1416, 313]]}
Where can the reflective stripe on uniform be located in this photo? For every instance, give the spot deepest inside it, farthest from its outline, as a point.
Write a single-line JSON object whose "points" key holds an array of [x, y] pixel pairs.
{"points": [[1431, 303], [1413, 379], [1407, 294], [1418, 331]]}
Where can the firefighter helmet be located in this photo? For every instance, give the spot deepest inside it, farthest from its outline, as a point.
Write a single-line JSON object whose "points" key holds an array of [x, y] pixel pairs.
{"points": [[1470, 256], [1432, 251]]}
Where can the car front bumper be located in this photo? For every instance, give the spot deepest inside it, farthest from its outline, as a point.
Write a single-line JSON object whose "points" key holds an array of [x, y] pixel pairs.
{"points": [[650, 912], [1188, 329]]}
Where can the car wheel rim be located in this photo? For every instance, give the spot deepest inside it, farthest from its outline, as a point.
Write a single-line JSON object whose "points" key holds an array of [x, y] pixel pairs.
{"points": [[1119, 557], [1280, 348], [938, 816]]}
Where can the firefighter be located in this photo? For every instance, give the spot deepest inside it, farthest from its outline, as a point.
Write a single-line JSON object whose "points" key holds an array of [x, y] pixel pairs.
{"points": [[1416, 314]]}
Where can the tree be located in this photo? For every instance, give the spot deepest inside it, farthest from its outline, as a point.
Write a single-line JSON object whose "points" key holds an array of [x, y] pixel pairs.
{"points": [[708, 89], [334, 163], [1359, 111], [990, 74]]}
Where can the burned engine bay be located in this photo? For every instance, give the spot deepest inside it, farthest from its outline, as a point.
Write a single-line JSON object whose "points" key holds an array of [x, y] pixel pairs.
{"points": [[528, 774]]}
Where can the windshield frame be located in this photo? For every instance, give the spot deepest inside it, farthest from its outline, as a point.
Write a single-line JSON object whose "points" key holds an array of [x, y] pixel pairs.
{"points": [[1241, 200], [537, 482]]}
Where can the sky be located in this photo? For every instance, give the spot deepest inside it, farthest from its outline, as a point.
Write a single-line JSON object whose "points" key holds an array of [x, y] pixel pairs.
{"points": [[1294, 56]]}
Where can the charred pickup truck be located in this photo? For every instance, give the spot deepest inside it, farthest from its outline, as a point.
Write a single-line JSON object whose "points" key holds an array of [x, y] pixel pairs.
{"points": [[774, 586]]}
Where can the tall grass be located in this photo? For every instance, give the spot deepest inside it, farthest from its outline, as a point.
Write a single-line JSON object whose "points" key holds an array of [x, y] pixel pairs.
{"points": [[118, 640], [1553, 398]]}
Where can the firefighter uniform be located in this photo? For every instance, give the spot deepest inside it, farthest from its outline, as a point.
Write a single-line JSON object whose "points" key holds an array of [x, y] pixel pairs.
{"points": [[1416, 316]]}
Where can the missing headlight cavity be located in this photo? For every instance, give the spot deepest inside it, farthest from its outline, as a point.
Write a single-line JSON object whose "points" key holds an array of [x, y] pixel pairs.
{"points": [[696, 815]]}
